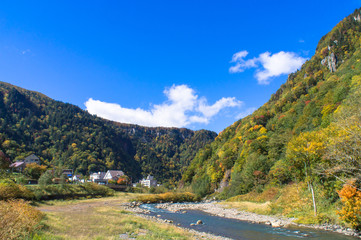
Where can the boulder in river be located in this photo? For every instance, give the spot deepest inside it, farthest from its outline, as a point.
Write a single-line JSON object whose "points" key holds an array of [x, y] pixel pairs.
{"points": [[276, 224], [199, 222]]}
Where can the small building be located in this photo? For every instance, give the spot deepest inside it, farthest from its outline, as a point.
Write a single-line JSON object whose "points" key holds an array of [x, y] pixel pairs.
{"points": [[113, 175], [77, 178], [68, 172], [94, 177], [148, 182], [18, 166], [32, 159]]}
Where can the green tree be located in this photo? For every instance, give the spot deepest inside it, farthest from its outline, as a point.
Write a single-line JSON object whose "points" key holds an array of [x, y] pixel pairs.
{"points": [[46, 178], [34, 170]]}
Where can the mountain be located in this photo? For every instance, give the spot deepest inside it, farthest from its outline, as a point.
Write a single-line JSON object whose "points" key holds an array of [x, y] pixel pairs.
{"points": [[64, 135], [165, 152], [297, 134]]}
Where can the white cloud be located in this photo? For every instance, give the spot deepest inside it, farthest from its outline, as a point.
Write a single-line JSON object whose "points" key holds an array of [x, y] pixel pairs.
{"points": [[267, 65], [245, 113], [182, 108], [239, 56]]}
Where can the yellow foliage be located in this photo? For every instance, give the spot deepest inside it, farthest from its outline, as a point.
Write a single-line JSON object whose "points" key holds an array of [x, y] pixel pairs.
{"points": [[263, 137], [220, 153], [327, 109], [263, 130], [18, 219]]}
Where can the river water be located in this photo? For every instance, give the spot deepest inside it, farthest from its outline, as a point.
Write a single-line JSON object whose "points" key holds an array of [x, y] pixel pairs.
{"points": [[237, 229]]}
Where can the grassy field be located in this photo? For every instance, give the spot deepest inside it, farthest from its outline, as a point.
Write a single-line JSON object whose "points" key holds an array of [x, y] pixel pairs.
{"points": [[102, 218]]}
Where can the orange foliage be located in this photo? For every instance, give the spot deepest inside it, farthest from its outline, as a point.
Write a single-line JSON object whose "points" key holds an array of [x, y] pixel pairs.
{"points": [[123, 180], [351, 210]]}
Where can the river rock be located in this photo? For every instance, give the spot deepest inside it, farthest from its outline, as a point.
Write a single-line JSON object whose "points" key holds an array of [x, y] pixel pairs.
{"points": [[199, 222], [276, 224]]}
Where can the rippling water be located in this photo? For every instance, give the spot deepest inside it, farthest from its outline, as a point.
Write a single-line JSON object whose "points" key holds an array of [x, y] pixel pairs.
{"points": [[237, 229]]}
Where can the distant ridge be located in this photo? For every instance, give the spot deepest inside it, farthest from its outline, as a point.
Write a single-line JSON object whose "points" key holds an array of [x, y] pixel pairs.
{"points": [[62, 134]]}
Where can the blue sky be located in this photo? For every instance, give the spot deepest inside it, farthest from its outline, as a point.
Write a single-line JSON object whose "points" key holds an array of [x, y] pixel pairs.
{"points": [[194, 64]]}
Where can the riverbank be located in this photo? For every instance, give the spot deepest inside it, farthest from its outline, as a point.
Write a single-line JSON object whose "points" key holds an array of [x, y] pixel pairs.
{"points": [[107, 218], [217, 209]]}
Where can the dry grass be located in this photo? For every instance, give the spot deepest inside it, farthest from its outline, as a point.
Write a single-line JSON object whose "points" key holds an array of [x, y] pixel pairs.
{"points": [[293, 200], [18, 219], [267, 195], [260, 208], [102, 219]]}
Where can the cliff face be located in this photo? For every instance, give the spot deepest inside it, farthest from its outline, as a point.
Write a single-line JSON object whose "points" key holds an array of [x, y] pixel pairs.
{"points": [[253, 151]]}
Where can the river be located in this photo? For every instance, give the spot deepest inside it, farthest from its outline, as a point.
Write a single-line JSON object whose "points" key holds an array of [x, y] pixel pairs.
{"points": [[237, 229]]}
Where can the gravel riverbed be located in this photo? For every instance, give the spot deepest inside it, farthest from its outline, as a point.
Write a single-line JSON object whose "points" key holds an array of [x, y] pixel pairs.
{"points": [[219, 210]]}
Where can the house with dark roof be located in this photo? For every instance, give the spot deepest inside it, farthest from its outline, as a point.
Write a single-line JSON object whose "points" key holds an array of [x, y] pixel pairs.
{"points": [[20, 165], [32, 159], [113, 175]]}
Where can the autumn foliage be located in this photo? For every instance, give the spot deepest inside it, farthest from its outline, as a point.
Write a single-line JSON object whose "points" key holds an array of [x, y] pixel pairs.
{"points": [[351, 210], [18, 219], [123, 180]]}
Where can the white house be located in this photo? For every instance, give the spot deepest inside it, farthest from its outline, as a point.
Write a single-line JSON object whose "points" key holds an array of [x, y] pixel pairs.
{"points": [[77, 178], [113, 175], [148, 182], [94, 177]]}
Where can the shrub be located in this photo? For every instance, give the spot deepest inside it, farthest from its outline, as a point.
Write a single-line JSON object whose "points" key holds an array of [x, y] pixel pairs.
{"points": [[351, 210], [11, 190], [18, 219], [168, 197], [62, 191], [46, 178], [34, 171]]}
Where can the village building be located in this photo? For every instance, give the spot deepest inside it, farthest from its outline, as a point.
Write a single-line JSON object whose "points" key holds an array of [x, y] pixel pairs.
{"points": [[32, 159], [68, 172], [113, 175], [104, 177], [148, 182], [97, 176], [77, 178], [20, 165]]}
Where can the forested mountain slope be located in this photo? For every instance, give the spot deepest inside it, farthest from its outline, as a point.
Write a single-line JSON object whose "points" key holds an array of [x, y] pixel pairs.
{"points": [[307, 131], [62, 134]]}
